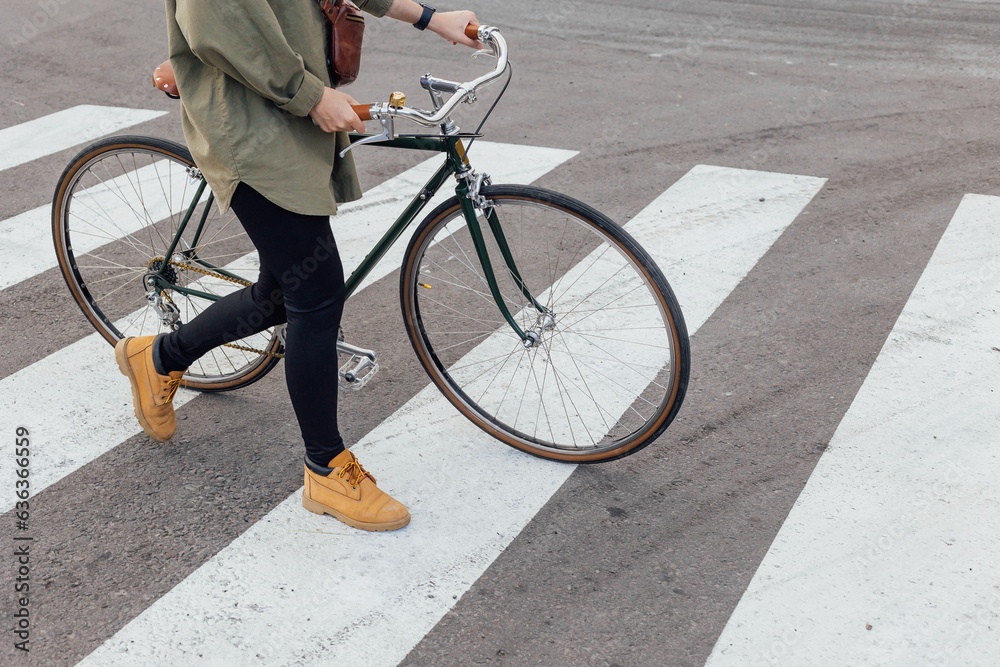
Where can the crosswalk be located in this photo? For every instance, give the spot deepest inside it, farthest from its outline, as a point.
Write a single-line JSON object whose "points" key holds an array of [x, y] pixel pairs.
{"points": [[38, 394], [888, 555], [64, 129], [891, 554], [26, 239], [467, 506]]}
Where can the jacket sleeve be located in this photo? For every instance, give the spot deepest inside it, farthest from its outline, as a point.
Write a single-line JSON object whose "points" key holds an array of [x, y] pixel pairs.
{"points": [[374, 7], [243, 39]]}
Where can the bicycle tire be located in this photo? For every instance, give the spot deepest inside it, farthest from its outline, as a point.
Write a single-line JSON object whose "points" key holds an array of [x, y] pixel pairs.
{"points": [[439, 259], [114, 189]]}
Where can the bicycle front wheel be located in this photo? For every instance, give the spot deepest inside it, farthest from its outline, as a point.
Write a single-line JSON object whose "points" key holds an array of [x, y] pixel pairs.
{"points": [[116, 210], [610, 367]]}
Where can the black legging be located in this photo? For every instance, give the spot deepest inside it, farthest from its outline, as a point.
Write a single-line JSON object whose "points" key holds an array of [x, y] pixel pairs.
{"points": [[302, 282]]}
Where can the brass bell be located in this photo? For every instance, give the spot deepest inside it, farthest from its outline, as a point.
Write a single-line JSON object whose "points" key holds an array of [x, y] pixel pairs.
{"points": [[397, 100]]}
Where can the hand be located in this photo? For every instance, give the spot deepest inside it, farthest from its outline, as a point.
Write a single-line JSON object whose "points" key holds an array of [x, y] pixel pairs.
{"points": [[333, 112], [451, 26]]}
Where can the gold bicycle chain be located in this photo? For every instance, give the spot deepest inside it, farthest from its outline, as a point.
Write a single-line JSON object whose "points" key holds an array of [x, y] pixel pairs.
{"points": [[238, 281]]}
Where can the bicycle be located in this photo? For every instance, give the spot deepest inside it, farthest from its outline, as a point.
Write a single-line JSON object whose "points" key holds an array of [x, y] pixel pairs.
{"points": [[538, 317]]}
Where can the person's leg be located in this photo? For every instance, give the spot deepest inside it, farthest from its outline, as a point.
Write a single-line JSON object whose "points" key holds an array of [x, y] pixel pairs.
{"points": [[300, 252], [155, 365], [237, 315], [302, 279]]}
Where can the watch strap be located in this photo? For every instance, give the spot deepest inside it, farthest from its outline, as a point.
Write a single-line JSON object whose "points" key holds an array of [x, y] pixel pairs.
{"points": [[425, 18]]}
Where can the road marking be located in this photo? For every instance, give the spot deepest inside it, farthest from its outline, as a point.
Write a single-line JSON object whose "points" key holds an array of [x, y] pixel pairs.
{"points": [[77, 394], [26, 239], [64, 129], [890, 553], [509, 163], [383, 592]]}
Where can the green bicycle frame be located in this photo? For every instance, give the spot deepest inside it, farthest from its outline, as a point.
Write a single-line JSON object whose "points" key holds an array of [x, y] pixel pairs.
{"points": [[456, 163]]}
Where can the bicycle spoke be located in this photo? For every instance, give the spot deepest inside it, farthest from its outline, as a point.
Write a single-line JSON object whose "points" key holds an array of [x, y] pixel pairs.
{"points": [[106, 188], [592, 335], [486, 296], [470, 364], [122, 209], [501, 364], [587, 390], [562, 394], [123, 237], [595, 378], [618, 298]]}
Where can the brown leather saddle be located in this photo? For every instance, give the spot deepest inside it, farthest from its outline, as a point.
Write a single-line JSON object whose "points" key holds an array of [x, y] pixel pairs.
{"points": [[163, 79]]}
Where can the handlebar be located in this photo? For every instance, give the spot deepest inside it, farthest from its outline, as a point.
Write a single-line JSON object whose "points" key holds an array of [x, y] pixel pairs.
{"points": [[490, 37], [363, 111]]}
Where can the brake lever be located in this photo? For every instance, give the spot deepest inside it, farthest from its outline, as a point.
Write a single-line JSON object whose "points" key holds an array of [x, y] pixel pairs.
{"points": [[388, 132], [492, 53]]}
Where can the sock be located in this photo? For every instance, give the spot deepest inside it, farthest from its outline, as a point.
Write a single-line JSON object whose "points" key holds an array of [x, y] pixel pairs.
{"points": [[323, 459], [157, 363]]}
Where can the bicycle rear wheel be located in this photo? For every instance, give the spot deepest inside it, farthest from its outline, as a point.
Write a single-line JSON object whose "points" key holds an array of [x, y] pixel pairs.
{"points": [[116, 208], [610, 370]]}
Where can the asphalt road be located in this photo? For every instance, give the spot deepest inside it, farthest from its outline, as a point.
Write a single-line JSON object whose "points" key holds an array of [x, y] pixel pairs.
{"points": [[636, 562]]}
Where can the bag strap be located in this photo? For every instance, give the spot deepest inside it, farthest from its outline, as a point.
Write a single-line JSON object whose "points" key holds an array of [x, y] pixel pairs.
{"points": [[323, 3]]}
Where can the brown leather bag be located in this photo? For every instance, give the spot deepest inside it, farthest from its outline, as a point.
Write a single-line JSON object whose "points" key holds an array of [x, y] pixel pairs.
{"points": [[344, 31]]}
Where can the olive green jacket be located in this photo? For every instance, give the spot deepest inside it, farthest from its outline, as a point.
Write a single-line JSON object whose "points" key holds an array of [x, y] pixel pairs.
{"points": [[248, 73]]}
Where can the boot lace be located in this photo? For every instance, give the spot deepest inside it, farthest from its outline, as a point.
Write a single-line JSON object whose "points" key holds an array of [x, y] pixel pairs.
{"points": [[172, 385], [355, 473]]}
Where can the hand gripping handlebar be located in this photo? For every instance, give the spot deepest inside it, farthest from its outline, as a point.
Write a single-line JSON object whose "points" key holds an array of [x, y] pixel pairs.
{"points": [[490, 37]]}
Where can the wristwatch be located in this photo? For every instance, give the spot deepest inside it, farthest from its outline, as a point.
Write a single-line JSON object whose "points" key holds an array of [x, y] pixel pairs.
{"points": [[425, 18]]}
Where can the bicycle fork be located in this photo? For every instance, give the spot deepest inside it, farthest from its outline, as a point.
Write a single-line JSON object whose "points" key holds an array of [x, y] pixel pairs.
{"points": [[362, 364], [471, 200]]}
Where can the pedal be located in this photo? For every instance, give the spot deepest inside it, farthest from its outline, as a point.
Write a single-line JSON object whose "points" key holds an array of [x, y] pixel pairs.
{"points": [[361, 366]]}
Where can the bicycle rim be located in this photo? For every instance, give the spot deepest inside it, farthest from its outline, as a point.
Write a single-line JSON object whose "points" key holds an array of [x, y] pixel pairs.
{"points": [[610, 369], [115, 211]]}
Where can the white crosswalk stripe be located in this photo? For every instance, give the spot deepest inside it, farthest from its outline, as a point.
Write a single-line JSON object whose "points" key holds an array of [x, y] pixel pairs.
{"points": [[889, 555], [64, 129], [258, 596], [505, 162], [26, 239], [96, 415]]}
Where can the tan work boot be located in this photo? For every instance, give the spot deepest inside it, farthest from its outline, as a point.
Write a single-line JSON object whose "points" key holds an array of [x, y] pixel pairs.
{"points": [[152, 393], [347, 491]]}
